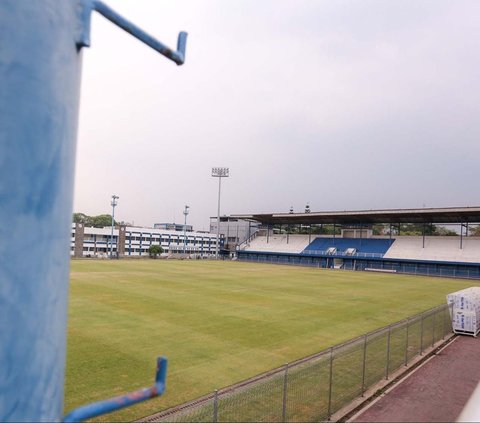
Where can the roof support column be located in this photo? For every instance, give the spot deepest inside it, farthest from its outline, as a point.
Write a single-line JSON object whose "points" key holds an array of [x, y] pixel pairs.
{"points": [[461, 235], [423, 235]]}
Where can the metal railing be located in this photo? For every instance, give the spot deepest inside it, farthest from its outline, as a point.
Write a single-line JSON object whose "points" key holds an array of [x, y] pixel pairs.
{"points": [[410, 269], [246, 243], [341, 254], [414, 269], [314, 388]]}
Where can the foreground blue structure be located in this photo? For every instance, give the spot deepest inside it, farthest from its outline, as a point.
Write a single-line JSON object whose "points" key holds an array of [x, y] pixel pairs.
{"points": [[40, 68]]}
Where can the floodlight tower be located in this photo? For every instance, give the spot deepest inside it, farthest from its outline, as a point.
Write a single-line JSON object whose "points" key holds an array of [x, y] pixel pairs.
{"points": [[113, 203], [219, 172], [185, 212]]}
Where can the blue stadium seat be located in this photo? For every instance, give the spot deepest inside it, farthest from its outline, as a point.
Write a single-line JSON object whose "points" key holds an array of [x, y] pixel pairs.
{"points": [[362, 246]]}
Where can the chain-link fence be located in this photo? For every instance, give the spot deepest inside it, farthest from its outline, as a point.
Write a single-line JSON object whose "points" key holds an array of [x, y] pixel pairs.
{"points": [[314, 388]]}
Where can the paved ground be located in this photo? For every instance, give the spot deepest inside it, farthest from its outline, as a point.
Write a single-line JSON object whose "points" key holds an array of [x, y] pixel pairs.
{"points": [[436, 392]]}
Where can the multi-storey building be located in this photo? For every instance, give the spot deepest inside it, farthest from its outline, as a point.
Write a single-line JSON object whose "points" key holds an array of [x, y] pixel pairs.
{"points": [[131, 241], [234, 231]]}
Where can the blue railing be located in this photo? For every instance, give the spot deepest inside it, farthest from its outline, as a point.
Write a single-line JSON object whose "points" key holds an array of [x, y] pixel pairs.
{"points": [[116, 403]]}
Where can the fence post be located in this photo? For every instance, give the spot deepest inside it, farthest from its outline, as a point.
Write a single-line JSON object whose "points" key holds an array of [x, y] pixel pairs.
{"points": [[421, 335], [364, 360], [284, 407], [443, 323], [330, 385], [433, 328], [406, 343], [388, 352], [449, 318], [215, 406]]}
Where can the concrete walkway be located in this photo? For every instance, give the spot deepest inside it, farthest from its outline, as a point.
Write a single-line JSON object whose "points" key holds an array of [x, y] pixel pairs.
{"points": [[435, 392]]}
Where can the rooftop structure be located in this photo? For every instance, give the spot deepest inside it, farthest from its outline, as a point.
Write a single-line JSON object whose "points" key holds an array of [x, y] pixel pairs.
{"points": [[173, 227], [369, 217]]}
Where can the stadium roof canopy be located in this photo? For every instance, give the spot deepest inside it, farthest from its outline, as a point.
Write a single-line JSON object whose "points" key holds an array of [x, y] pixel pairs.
{"points": [[367, 217]]}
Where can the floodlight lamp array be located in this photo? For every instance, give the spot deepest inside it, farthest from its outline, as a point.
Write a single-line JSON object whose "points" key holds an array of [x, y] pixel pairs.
{"points": [[220, 172], [114, 200]]}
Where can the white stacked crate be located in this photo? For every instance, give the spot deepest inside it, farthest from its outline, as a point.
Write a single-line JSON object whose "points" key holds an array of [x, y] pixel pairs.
{"points": [[465, 310]]}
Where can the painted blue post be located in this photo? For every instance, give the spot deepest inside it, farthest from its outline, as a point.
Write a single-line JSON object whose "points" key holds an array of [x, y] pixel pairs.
{"points": [[40, 79], [40, 66]]}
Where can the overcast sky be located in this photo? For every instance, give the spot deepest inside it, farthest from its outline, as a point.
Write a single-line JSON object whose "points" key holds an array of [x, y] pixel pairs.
{"points": [[345, 105]]}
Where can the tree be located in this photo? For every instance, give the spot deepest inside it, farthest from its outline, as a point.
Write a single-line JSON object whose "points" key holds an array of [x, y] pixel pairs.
{"points": [[417, 229], [100, 221], [154, 251], [80, 218], [474, 231], [326, 229], [442, 231], [380, 229]]}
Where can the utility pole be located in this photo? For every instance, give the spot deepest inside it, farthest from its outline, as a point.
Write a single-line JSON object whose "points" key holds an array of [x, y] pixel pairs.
{"points": [[113, 203], [185, 212]]}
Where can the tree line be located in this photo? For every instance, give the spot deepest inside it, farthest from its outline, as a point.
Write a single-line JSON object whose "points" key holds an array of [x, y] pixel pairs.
{"points": [[412, 229], [99, 221]]}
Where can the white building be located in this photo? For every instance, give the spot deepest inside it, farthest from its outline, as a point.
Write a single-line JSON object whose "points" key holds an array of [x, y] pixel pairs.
{"points": [[131, 241]]}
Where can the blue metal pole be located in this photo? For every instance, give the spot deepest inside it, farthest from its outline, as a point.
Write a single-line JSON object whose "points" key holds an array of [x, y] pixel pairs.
{"points": [[40, 67], [40, 79]]}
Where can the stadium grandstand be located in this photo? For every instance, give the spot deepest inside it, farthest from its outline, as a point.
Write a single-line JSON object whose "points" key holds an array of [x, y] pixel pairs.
{"points": [[395, 240]]}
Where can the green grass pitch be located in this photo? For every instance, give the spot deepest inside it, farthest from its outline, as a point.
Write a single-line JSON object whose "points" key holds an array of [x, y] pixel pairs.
{"points": [[218, 322]]}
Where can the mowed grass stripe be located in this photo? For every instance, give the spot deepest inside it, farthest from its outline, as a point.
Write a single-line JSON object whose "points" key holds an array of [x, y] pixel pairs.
{"points": [[218, 322]]}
